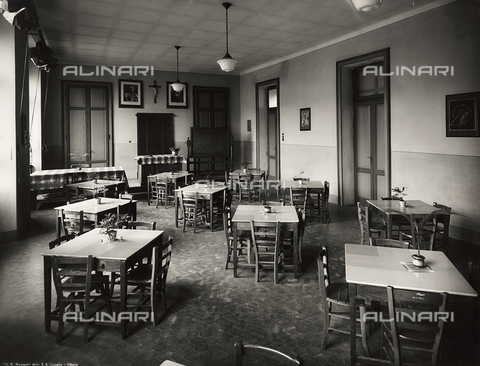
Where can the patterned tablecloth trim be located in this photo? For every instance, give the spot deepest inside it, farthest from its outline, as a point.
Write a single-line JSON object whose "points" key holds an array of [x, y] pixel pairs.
{"points": [[160, 159]]}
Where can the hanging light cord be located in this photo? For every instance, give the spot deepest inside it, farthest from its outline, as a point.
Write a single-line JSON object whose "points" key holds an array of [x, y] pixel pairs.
{"points": [[226, 26], [177, 47]]}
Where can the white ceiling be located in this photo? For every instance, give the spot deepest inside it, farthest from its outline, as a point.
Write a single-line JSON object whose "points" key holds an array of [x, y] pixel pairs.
{"points": [[261, 32]]}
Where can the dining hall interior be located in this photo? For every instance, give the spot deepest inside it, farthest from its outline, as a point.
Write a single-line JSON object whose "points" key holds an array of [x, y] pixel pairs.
{"points": [[120, 109]]}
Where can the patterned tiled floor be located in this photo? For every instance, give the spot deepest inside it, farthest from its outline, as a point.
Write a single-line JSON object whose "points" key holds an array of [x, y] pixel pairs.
{"points": [[208, 308]]}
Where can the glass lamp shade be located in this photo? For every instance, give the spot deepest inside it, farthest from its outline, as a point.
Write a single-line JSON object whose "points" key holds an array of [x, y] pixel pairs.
{"points": [[178, 86], [367, 5], [227, 63]]}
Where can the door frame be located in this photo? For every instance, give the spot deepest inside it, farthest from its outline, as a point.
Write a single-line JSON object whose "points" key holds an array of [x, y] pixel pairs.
{"points": [[345, 136], [65, 126], [261, 91]]}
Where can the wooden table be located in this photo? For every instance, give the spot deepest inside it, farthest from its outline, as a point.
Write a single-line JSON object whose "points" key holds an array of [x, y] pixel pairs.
{"points": [[96, 212], [390, 208], [89, 186], [382, 267], [257, 175], [118, 257], [210, 192], [287, 215], [179, 179]]}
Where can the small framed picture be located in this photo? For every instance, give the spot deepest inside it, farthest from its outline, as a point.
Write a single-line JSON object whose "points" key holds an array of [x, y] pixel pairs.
{"points": [[176, 99], [130, 94], [305, 119], [462, 114]]}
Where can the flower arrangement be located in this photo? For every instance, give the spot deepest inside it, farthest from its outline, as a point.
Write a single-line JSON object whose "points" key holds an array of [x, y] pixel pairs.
{"points": [[111, 222], [77, 157], [245, 164], [399, 194], [174, 150]]}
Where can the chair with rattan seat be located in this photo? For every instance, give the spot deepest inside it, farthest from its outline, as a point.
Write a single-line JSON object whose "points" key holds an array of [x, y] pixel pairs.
{"points": [[142, 225], [288, 238], [336, 303], [443, 226], [194, 209], [299, 197], [368, 229], [267, 243], [74, 222], [241, 186], [244, 240], [406, 330], [318, 203], [147, 282], [75, 286], [253, 354]]}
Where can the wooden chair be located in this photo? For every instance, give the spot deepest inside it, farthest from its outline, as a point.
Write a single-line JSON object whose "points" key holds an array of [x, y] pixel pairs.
{"points": [[443, 226], [399, 223], [244, 239], [194, 210], [74, 222], [267, 246], [335, 295], [318, 203], [367, 228], [74, 285], [298, 197], [248, 354], [389, 243], [60, 240], [149, 281], [404, 330], [142, 225], [241, 186], [162, 192], [73, 194], [424, 231], [288, 238]]}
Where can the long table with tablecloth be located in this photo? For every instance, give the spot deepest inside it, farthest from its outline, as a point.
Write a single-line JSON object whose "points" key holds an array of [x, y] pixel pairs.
{"points": [[55, 180]]}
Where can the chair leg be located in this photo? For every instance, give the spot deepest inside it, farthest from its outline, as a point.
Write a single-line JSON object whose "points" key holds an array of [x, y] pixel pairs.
{"points": [[326, 325], [153, 304], [363, 331], [60, 324]]}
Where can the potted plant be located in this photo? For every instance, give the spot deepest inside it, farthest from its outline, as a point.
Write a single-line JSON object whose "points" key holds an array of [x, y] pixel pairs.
{"points": [[110, 223], [399, 194], [174, 150], [245, 166], [96, 191], [300, 178], [76, 158]]}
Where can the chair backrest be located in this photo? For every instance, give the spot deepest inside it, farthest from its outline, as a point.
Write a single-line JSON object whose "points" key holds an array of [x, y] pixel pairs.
{"points": [[227, 224], [443, 217], [145, 225], [389, 243], [474, 275], [364, 220], [248, 353], [298, 197], [60, 240], [161, 257], [73, 194], [323, 274], [405, 308], [72, 222], [265, 234], [326, 192], [72, 274]]}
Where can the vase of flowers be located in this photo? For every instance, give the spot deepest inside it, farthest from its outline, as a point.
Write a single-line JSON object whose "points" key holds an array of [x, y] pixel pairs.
{"points": [[245, 166], [96, 192], [174, 150], [76, 160], [300, 178], [109, 225], [399, 194]]}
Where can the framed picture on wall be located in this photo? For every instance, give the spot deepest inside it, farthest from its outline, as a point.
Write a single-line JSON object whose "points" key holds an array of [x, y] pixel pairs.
{"points": [[176, 99], [305, 119], [130, 94], [462, 114]]}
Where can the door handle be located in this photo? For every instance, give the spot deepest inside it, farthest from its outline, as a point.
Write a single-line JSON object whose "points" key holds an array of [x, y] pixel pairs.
{"points": [[369, 157]]}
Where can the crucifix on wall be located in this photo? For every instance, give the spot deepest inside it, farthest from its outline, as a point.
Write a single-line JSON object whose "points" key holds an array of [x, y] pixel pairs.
{"points": [[155, 88]]}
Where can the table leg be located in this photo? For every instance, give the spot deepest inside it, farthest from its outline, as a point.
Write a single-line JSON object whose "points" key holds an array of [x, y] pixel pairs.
{"points": [[47, 284], [176, 209], [353, 323], [234, 227], [295, 251], [123, 298], [148, 191], [389, 226], [211, 212]]}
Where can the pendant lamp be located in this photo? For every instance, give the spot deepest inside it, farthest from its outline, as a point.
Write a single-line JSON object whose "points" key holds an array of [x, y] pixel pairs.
{"points": [[177, 85], [366, 5], [227, 63]]}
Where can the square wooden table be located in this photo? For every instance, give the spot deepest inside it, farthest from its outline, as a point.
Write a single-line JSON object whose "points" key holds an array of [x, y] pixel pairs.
{"points": [[390, 208], [90, 185], [210, 192], [382, 267], [258, 175], [118, 257], [287, 215], [95, 212]]}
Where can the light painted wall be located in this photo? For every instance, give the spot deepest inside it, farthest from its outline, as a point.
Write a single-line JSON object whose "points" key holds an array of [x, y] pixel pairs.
{"points": [[420, 147], [7, 133], [125, 121]]}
